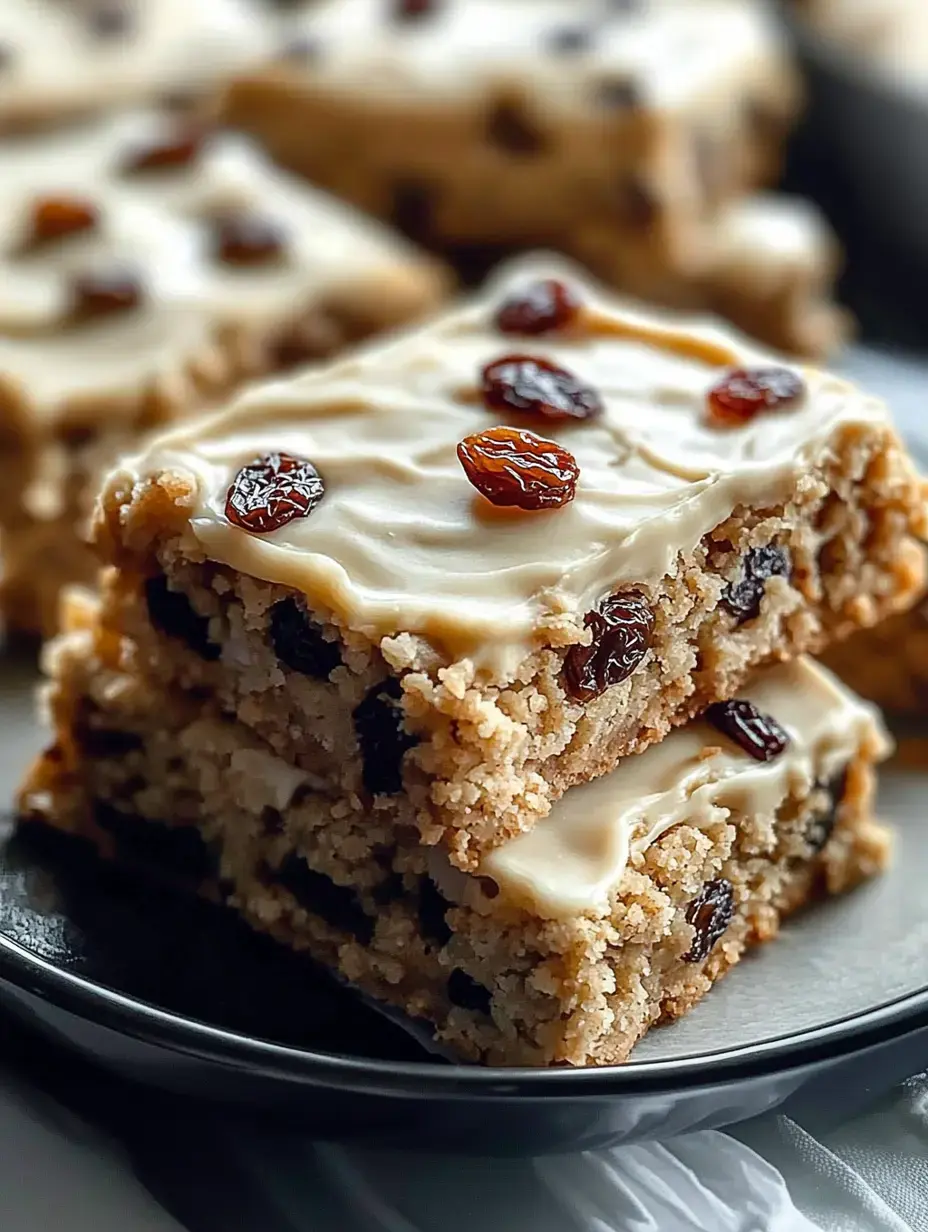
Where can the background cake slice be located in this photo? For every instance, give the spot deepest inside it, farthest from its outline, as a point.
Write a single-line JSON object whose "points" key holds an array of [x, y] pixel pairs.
{"points": [[149, 267]]}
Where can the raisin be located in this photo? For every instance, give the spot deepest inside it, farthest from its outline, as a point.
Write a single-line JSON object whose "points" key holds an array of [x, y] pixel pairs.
{"points": [[636, 203], [511, 467], [464, 991], [272, 820], [338, 905], [622, 628], [53, 218], [299, 643], [103, 293], [411, 10], [758, 734], [432, 908], [617, 93], [179, 150], [173, 613], [820, 828], [509, 128], [303, 50], [746, 392], [743, 598], [413, 209], [247, 239], [534, 386], [390, 890], [175, 849], [383, 739], [104, 742], [538, 308], [567, 40], [110, 19], [271, 491], [710, 914]]}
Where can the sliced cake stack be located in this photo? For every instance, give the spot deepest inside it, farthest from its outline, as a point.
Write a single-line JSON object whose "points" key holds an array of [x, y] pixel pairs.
{"points": [[473, 663]]}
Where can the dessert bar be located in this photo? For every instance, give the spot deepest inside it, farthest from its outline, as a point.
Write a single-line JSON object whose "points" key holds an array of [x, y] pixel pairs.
{"points": [[454, 574], [618, 911], [615, 133], [149, 266]]}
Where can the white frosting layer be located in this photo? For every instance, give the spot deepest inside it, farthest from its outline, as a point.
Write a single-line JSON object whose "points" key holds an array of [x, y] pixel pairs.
{"points": [[674, 51], [54, 61], [401, 540], [571, 862], [159, 225]]}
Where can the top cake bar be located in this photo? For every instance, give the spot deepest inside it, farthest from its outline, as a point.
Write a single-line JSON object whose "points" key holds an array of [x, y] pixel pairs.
{"points": [[455, 574]]}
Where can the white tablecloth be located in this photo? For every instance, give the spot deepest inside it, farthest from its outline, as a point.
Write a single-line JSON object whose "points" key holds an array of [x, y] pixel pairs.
{"points": [[57, 1172]]}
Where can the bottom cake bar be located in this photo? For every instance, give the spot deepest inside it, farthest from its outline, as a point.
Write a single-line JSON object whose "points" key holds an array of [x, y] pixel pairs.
{"points": [[616, 912]]}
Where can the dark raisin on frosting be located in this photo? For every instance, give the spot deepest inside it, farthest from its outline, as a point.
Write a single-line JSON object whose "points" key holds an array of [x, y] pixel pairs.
{"points": [[758, 734], [103, 292]]}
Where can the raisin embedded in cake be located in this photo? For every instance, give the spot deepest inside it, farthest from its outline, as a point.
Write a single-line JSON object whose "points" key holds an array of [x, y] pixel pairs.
{"points": [[177, 265]]}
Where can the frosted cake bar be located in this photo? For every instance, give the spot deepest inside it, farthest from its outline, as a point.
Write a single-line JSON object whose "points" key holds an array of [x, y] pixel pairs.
{"points": [[617, 911], [453, 575], [149, 266]]}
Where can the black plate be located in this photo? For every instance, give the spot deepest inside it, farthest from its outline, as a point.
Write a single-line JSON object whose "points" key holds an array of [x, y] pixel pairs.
{"points": [[167, 990]]}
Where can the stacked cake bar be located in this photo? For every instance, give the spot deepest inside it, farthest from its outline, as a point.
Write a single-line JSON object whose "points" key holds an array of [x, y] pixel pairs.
{"points": [[149, 266], [632, 136], [473, 663]]}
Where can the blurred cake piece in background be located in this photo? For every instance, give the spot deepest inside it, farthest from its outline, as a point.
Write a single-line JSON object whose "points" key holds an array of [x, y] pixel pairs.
{"points": [[769, 265], [147, 268], [889, 663], [625, 135], [64, 57], [889, 35]]}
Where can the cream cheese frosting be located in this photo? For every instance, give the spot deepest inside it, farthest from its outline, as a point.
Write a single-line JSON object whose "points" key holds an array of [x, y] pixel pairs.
{"points": [[157, 224], [401, 542], [571, 862], [54, 58]]}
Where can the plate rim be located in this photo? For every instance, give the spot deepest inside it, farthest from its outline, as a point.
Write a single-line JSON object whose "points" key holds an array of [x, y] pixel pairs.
{"points": [[154, 1025]]}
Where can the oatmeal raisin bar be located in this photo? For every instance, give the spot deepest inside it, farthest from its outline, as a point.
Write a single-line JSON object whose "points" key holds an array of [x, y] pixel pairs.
{"points": [[565, 945], [64, 58], [147, 268], [453, 575], [615, 133]]}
